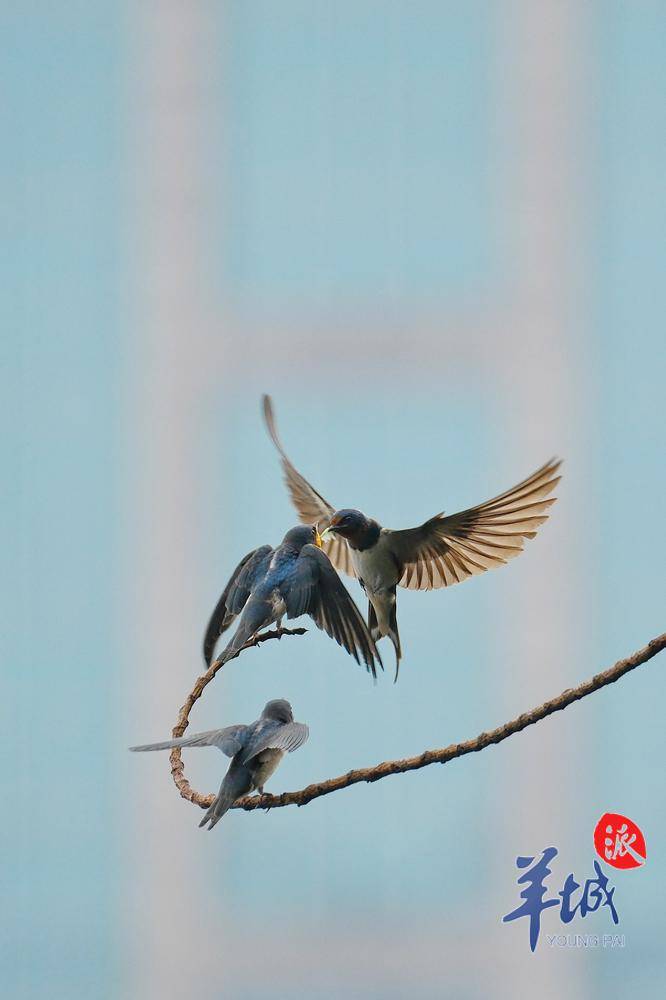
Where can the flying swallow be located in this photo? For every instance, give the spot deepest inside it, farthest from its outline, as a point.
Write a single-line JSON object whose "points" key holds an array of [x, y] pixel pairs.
{"points": [[438, 553], [294, 579], [255, 750]]}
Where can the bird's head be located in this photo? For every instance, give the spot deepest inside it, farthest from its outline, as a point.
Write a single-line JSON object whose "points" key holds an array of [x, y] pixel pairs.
{"points": [[302, 535], [350, 524], [278, 709]]}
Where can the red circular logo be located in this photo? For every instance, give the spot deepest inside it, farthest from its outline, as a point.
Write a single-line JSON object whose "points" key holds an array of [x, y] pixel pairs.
{"points": [[619, 842]]}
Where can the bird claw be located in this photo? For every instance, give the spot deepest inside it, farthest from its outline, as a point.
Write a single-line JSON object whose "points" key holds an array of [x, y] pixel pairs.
{"points": [[260, 798]]}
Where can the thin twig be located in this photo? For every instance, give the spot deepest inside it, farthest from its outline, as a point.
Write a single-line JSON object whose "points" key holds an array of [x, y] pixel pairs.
{"points": [[451, 752], [177, 766]]}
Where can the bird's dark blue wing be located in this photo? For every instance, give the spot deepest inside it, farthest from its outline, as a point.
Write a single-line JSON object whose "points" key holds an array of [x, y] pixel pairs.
{"points": [[241, 587], [314, 588], [234, 597]]}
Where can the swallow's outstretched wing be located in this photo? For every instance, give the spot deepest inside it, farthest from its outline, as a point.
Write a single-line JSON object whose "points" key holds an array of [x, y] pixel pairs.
{"points": [[286, 737], [310, 505], [446, 550], [317, 590], [230, 740], [233, 598]]}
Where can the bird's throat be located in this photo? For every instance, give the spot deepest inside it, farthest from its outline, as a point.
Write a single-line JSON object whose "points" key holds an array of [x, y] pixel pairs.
{"points": [[365, 537]]}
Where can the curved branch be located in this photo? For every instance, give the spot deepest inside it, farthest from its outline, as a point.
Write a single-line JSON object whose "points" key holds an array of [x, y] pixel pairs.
{"points": [[183, 721], [443, 756], [455, 750]]}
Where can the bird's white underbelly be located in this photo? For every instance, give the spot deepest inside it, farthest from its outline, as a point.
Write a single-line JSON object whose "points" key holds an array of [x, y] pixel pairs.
{"points": [[264, 765], [376, 567], [278, 605]]}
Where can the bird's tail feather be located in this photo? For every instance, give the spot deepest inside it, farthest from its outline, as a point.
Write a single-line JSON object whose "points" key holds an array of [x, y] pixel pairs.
{"points": [[237, 782], [373, 628], [394, 636], [392, 633], [256, 615], [240, 638], [220, 806]]}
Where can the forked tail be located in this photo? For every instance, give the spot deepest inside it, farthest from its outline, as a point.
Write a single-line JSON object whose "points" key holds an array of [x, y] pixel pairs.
{"points": [[237, 782], [392, 632]]}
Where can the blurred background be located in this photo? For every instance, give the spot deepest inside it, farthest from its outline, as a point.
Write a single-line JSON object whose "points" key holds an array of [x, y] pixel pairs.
{"points": [[434, 232]]}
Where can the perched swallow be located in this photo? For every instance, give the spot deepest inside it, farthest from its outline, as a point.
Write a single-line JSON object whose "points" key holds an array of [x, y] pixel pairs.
{"points": [[294, 579], [438, 553], [256, 751]]}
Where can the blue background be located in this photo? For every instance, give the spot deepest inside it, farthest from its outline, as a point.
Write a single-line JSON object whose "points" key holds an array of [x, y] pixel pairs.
{"points": [[434, 232]]}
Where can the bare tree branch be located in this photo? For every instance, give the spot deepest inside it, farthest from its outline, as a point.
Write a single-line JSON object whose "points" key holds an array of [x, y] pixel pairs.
{"points": [[428, 757]]}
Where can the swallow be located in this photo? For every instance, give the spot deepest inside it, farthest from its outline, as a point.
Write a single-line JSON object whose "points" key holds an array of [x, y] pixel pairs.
{"points": [[255, 750], [438, 553], [296, 578]]}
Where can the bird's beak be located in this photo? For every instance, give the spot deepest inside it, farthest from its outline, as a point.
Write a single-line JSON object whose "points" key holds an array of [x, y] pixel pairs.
{"points": [[318, 538], [326, 533]]}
